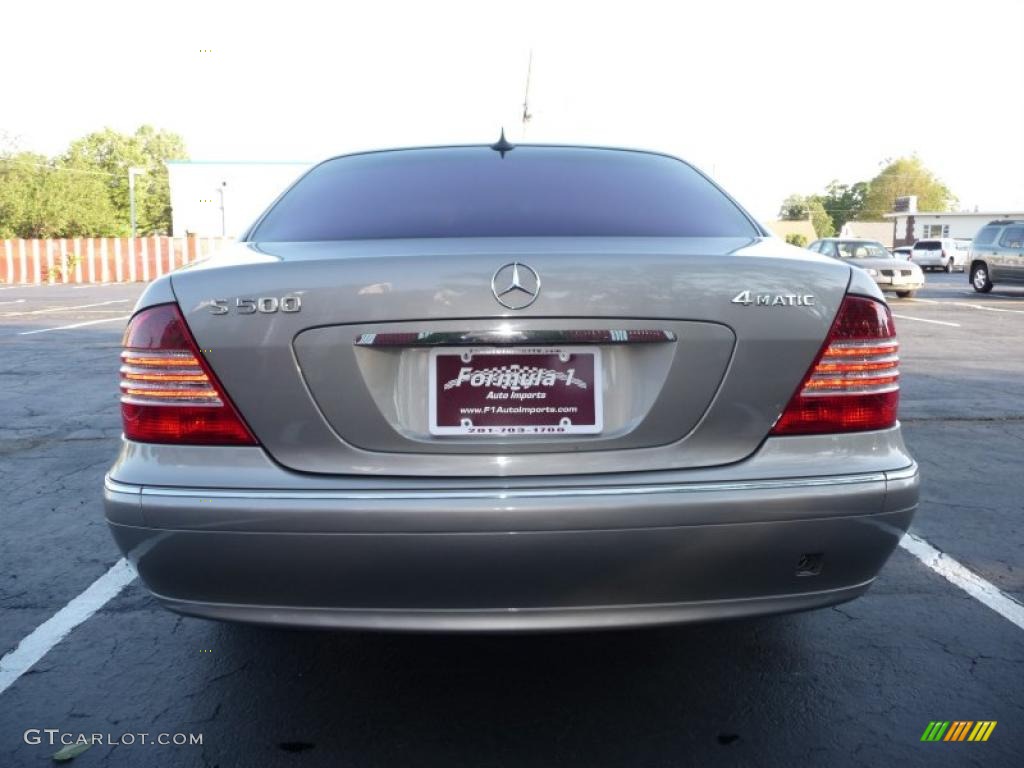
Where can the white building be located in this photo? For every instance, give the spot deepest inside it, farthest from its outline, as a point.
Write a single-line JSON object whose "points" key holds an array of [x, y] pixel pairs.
{"points": [[882, 231], [911, 226], [223, 199]]}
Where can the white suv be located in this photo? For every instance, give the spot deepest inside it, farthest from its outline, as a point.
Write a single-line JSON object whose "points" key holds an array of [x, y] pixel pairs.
{"points": [[941, 253]]}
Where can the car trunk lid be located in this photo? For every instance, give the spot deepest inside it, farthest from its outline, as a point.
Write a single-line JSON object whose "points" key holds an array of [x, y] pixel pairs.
{"points": [[699, 343]]}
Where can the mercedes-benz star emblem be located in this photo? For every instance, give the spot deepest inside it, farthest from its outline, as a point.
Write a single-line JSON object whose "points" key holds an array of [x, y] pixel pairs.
{"points": [[515, 285]]}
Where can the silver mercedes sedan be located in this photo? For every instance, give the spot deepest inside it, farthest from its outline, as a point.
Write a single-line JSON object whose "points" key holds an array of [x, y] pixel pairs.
{"points": [[512, 388]]}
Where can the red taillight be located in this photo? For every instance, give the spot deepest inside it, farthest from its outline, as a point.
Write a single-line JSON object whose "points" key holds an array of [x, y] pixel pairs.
{"points": [[854, 383], [168, 393]]}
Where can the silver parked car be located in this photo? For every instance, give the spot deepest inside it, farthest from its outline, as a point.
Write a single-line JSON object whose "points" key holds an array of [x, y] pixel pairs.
{"points": [[509, 388], [889, 271], [997, 255]]}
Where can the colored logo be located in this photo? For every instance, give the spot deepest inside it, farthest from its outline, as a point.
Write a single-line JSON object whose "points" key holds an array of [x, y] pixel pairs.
{"points": [[958, 730]]}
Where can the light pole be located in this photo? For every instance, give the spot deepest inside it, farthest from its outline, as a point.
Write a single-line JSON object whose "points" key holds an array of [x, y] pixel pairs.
{"points": [[132, 173], [223, 225]]}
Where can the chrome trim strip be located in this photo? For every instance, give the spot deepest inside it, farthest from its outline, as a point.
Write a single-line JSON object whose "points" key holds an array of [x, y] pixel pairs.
{"points": [[877, 373], [881, 389], [496, 337], [115, 487], [887, 343], [859, 360], [501, 494], [903, 474]]}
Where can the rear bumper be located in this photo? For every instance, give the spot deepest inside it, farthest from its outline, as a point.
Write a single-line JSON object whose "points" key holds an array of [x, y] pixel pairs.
{"points": [[515, 619], [512, 558], [898, 283]]}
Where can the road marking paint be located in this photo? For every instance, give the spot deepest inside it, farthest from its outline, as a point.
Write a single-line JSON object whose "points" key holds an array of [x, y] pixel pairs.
{"points": [[952, 571], [999, 298], [922, 320], [13, 301], [986, 309], [923, 301], [44, 637], [74, 325], [88, 285], [66, 309]]}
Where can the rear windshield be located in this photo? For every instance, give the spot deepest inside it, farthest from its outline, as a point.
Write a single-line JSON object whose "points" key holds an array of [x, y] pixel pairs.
{"points": [[475, 192], [929, 245]]}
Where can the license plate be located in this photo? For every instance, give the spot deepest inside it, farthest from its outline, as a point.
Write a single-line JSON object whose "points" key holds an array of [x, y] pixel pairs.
{"points": [[537, 391]]}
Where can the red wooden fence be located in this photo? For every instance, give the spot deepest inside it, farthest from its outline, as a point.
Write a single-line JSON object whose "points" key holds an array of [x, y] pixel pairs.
{"points": [[99, 259]]}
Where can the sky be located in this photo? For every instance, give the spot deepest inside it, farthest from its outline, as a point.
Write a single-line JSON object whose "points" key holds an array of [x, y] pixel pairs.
{"points": [[770, 98]]}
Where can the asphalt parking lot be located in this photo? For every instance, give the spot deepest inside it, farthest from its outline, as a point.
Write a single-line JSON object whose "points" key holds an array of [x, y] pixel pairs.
{"points": [[853, 685]]}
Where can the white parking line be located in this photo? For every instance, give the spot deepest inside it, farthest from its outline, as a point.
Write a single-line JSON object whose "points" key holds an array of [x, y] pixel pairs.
{"points": [[44, 637], [986, 309], [981, 590], [924, 301], [65, 309], [999, 298], [923, 320], [13, 301], [74, 325]]}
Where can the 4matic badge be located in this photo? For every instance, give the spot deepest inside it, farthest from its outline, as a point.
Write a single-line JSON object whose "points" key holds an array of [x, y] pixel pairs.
{"points": [[746, 298]]}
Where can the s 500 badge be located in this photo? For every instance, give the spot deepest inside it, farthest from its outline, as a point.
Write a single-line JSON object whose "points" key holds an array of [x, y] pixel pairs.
{"points": [[746, 298], [265, 304]]}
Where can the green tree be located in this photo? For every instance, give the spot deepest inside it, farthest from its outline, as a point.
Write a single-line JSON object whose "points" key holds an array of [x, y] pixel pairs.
{"points": [[796, 239], [114, 153], [900, 177], [43, 199], [843, 202], [801, 207]]}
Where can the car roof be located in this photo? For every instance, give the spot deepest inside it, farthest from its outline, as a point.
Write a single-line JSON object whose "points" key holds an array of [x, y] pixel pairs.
{"points": [[507, 147], [849, 240]]}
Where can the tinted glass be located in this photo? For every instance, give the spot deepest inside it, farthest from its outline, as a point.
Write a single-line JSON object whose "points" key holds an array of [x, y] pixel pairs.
{"points": [[928, 245], [828, 248], [986, 236], [1013, 237], [475, 192]]}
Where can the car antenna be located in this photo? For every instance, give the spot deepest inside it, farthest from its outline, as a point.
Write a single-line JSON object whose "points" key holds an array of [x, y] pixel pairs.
{"points": [[502, 145]]}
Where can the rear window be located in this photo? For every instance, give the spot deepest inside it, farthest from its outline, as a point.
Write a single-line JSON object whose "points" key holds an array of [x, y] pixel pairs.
{"points": [[928, 245], [475, 192]]}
